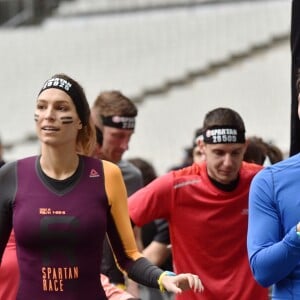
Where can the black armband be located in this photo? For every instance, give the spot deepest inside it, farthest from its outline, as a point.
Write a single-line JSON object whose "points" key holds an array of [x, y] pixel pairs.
{"points": [[145, 273]]}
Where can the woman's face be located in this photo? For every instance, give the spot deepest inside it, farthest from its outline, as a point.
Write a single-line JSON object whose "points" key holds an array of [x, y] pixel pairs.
{"points": [[57, 121]]}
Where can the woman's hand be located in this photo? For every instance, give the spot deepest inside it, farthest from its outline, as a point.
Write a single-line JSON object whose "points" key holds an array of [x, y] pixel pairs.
{"points": [[179, 283]]}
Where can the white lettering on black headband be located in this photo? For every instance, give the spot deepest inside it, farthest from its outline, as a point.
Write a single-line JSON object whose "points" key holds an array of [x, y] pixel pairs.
{"points": [[70, 89], [121, 122], [224, 135]]}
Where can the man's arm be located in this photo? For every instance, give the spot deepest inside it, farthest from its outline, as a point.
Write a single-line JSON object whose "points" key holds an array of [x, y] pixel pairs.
{"points": [[153, 201], [157, 252]]}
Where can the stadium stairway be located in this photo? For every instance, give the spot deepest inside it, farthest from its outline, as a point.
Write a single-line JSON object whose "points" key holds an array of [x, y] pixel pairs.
{"points": [[144, 53], [150, 51]]}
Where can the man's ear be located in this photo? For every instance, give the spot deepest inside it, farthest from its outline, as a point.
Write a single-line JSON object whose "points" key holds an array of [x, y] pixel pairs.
{"points": [[201, 145], [246, 145]]}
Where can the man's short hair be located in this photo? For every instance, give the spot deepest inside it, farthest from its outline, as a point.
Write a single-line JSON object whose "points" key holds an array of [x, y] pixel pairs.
{"points": [[223, 116], [114, 103]]}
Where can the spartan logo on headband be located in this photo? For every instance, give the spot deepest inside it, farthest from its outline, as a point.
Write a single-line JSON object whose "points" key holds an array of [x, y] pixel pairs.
{"points": [[73, 91], [121, 122], [224, 135], [58, 83]]}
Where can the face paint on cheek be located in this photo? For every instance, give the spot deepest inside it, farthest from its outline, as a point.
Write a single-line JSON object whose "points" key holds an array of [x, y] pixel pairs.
{"points": [[66, 120], [36, 117]]}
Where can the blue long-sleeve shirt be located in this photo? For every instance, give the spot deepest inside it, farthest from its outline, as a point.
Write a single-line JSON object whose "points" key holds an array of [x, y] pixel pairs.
{"points": [[272, 241]]}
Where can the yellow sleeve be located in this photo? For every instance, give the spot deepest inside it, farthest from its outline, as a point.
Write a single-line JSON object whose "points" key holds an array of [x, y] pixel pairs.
{"points": [[117, 198]]}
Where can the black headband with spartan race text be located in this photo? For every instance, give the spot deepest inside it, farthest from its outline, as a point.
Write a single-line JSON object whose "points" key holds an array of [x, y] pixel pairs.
{"points": [[70, 89], [121, 122], [223, 135]]}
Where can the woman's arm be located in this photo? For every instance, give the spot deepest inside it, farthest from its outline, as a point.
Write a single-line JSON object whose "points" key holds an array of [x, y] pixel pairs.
{"points": [[122, 239]]}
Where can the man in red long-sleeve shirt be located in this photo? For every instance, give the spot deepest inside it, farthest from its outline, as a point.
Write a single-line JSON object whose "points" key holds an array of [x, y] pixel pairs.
{"points": [[206, 206]]}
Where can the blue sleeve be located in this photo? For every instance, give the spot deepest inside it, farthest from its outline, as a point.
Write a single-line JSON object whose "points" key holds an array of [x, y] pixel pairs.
{"points": [[272, 253]]}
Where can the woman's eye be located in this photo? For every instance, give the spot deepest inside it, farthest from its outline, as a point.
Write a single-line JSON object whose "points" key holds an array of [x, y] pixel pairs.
{"points": [[40, 106], [62, 108]]}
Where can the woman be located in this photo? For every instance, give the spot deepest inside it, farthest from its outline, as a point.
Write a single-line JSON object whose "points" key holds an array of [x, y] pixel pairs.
{"points": [[62, 204]]}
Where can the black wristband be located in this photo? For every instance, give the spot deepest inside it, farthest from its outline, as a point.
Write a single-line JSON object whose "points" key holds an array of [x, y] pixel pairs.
{"points": [[145, 273]]}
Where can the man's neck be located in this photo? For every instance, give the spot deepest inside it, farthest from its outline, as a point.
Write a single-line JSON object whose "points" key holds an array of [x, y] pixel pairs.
{"points": [[225, 187]]}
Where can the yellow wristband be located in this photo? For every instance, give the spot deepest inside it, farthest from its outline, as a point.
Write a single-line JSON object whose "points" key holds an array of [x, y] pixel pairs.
{"points": [[121, 286], [159, 281]]}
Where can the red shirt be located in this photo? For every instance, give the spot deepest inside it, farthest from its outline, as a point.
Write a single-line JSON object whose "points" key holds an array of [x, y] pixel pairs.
{"points": [[208, 229]]}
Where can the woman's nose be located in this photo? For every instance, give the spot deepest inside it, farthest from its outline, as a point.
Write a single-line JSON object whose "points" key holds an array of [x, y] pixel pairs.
{"points": [[49, 114]]}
